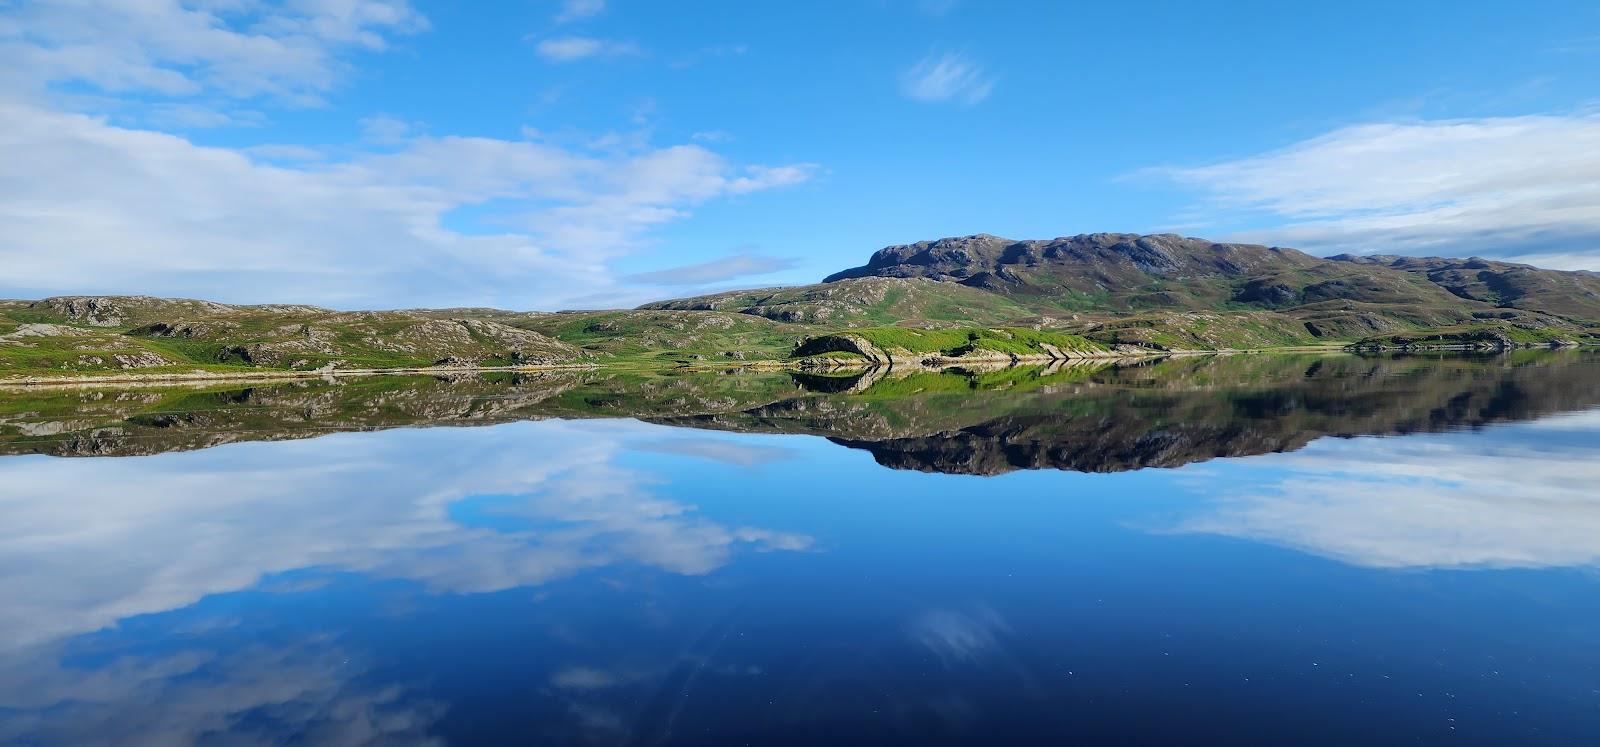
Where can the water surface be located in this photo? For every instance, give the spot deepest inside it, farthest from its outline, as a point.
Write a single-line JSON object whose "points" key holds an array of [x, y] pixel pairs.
{"points": [[1265, 549]]}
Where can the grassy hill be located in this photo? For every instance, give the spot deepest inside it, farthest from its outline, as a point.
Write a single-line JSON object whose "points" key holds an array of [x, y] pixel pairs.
{"points": [[151, 335], [669, 336]]}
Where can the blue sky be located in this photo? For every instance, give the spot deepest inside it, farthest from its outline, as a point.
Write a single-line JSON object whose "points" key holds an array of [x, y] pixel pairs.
{"points": [[379, 153]]}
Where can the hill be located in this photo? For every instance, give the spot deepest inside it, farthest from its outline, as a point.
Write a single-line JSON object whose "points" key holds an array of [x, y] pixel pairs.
{"points": [[83, 334], [1503, 284], [1128, 288]]}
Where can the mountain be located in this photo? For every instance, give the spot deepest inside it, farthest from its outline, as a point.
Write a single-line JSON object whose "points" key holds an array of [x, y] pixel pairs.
{"points": [[1128, 272], [1154, 282]]}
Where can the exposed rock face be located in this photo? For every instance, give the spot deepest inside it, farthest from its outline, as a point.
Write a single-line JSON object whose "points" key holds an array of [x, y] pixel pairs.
{"points": [[99, 312], [996, 263], [843, 343], [42, 330], [140, 360], [186, 330]]}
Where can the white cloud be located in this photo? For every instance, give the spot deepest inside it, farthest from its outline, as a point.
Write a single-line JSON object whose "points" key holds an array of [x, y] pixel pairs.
{"points": [[283, 152], [1525, 187], [571, 48], [574, 10], [947, 77], [178, 115], [90, 207], [106, 204], [379, 504], [164, 47], [1432, 501]]}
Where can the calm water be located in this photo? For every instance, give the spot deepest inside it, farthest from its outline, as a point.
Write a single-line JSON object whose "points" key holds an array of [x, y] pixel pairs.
{"points": [[1261, 549]]}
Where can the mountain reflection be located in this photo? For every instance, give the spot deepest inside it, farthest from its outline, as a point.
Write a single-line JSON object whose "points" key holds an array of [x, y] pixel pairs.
{"points": [[574, 575], [1087, 418]]}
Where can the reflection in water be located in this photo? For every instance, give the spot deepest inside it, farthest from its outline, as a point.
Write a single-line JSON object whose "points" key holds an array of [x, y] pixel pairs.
{"points": [[957, 636], [252, 694], [460, 512], [1523, 499], [276, 574], [456, 512], [1090, 417]]}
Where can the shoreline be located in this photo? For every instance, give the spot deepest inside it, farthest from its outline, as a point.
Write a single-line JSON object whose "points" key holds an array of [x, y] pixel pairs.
{"points": [[271, 376], [933, 362]]}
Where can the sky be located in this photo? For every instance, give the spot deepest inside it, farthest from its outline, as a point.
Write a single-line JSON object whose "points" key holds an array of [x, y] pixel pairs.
{"points": [[602, 153]]}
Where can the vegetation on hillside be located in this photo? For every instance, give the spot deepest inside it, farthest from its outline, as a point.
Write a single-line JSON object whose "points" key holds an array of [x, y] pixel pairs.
{"points": [[648, 337], [967, 297], [1488, 336], [159, 336], [863, 303]]}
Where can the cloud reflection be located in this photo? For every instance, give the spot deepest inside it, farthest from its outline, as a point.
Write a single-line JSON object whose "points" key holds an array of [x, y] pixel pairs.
{"points": [[958, 636], [90, 542], [256, 695], [1519, 496]]}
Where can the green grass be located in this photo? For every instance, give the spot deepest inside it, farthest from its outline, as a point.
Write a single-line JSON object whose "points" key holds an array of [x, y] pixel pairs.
{"points": [[664, 337], [1491, 334]]}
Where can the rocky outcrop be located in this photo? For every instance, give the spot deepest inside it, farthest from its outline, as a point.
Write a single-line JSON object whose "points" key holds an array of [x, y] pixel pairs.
{"points": [[118, 311], [997, 263], [43, 330], [845, 343]]}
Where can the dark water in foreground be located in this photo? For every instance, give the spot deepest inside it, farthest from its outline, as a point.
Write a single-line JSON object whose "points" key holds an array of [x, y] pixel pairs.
{"points": [[1266, 549]]}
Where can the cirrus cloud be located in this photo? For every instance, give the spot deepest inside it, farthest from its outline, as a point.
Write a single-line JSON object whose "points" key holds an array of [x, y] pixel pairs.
{"points": [[577, 10], [573, 48], [1519, 187], [946, 77]]}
